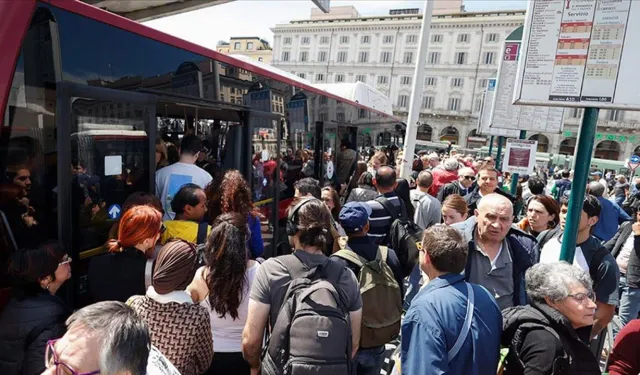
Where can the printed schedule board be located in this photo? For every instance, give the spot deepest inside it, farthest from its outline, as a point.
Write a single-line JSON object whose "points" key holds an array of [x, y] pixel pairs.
{"points": [[505, 114], [580, 53], [484, 121]]}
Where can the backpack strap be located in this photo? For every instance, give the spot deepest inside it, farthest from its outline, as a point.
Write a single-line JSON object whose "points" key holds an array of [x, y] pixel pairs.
{"points": [[350, 256], [388, 206], [202, 233], [465, 327], [294, 265], [383, 253]]}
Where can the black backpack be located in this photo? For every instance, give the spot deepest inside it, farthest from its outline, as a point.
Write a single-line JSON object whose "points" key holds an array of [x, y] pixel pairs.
{"points": [[200, 243], [403, 237], [312, 333]]}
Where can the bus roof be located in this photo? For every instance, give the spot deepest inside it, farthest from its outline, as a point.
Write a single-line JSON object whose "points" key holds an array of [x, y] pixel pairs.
{"points": [[361, 93]]}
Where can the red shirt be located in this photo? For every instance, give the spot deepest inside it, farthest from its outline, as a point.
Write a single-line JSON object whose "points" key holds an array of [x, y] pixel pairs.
{"points": [[625, 356], [441, 177]]}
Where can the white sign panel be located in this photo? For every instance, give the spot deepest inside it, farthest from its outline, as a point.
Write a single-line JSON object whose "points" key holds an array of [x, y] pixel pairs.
{"points": [[509, 116], [484, 121], [113, 165], [520, 156], [580, 53]]}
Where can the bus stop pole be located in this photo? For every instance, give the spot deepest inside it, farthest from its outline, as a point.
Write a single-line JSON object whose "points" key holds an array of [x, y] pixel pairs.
{"points": [[514, 177], [579, 184], [491, 145], [497, 159], [416, 92]]}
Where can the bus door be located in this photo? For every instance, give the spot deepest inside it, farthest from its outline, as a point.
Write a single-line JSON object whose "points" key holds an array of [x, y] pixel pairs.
{"points": [[331, 135], [106, 149]]}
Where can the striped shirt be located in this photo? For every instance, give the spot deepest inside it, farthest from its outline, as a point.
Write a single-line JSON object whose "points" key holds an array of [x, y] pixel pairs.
{"points": [[380, 220]]}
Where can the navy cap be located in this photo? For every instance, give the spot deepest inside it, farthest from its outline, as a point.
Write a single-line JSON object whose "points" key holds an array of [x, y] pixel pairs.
{"points": [[354, 216]]}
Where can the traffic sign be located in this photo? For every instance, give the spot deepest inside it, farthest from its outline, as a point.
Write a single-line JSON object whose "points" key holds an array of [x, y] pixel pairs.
{"points": [[634, 162], [114, 211]]}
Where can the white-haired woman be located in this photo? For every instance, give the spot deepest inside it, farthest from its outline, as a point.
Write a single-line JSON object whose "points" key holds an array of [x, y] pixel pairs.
{"points": [[550, 335]]}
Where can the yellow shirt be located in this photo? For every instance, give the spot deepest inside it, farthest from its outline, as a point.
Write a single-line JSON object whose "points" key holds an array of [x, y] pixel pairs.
{"points": [[182, 229]]}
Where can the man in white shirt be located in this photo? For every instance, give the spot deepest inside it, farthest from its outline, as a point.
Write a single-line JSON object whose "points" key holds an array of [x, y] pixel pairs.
{"points": [[170, 179]]}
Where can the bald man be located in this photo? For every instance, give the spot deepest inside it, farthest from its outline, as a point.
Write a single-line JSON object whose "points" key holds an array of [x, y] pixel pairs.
{"points": [[499, 255]]}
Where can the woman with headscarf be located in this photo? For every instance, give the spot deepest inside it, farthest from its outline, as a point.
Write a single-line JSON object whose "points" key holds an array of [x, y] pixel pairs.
{"points": [[180, 329]]}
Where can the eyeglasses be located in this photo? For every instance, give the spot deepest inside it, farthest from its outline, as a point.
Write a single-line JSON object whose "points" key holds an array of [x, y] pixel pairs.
{"points": [[51, 359], [583, 297], [470, 178], [66, 259]]}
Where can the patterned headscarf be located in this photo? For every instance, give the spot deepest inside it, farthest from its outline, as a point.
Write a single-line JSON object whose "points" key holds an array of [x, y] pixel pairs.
{"points": [[175, 267]]}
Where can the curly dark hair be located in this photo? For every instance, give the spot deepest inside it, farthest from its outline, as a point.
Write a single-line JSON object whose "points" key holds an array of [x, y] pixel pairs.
{"points": [[230, 193], [226, 255]]}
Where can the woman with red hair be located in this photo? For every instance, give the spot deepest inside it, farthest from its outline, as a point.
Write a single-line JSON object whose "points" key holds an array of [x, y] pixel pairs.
{"points": [[235, 196], [120, 273]]}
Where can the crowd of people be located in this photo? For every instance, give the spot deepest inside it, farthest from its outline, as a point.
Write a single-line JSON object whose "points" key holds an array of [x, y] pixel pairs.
{"points": [[463, 275]]}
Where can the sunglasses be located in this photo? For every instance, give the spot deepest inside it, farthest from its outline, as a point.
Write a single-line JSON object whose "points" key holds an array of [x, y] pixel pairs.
{"points": [[470, 178]]}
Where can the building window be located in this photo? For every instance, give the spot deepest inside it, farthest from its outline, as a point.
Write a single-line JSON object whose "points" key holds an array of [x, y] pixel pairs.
{"points": [[615, 115], [405, 80], [460, 58], [319, 77], [385, 57], [250, 46], [236, 45], [285, 56], [493, 37], [463, 38], [286, 40], [454, 104], [427, 102], [342, 56], [457, 82], [324, 40], [436, 38], [434, 58], [575, 112], [344, 39], [430, 81], [361, 78], [489, 58], [324, 100], [339, 78], [412, 39], [482, 83], [362, 113], [322, 56], [382, 80], [302, 75], [387, 39], [365, 39], [403, 101], [363, 57], [305, 40], [408, 58], [304, 56], [478, 106], [260, 59]]}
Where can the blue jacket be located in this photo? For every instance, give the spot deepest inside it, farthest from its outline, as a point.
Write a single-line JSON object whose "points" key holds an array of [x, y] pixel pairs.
{"points": [[434, 322], [611, 216], [255, 243], [523, 251]]}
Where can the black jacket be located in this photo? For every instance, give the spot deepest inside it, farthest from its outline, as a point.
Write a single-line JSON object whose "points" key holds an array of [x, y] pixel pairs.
{"points": [[541, 338], [402, 191], [615, 244], [117, 276], [449, 189], [25, 327], [473, 197]]}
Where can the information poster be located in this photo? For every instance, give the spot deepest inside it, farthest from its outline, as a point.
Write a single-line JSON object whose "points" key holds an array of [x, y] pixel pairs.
{"points": [[520, 156], [580, 53], [509, 116], [484, 121]]}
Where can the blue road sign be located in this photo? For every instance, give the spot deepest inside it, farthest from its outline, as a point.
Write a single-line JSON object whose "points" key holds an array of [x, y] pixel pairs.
{"points": [[114, 211], [635, 159]]}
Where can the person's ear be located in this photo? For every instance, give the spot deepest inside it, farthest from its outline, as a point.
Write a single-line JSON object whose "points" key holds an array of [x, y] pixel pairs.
{"points": [[593, 220], [366, 227], [476, 212], [375, 182], [45, 282]]}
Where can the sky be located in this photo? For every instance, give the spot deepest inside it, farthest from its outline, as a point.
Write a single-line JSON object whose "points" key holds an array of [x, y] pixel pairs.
{"points": [[256, 17]]}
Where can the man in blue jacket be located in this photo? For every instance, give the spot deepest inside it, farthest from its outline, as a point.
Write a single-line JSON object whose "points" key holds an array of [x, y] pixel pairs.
{"points": [[499, 254], [452, 326], [611, 214]]}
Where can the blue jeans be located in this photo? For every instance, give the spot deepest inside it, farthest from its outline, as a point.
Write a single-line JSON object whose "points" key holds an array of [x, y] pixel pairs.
{"points": [[369, 361], [629, 303], [414, 286]]}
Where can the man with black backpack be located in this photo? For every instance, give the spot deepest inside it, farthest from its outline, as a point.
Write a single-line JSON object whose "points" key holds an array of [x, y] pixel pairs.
{"points": [[590, 255], [378, 270], [310, 303]]}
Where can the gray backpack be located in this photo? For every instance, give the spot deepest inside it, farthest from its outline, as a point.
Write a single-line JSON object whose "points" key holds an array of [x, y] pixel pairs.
{"points": [[312, 333]]}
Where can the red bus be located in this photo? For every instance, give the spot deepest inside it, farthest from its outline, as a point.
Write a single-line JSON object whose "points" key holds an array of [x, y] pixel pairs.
{"points": [[82, 88]]}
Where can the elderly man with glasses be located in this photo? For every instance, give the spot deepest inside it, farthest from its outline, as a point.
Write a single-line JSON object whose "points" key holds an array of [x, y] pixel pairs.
{"points": [[466, 178]]}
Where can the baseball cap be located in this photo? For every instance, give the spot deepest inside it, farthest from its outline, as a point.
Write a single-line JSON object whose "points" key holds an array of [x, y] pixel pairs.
{"points": [[596, 173], [354, 216]]}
